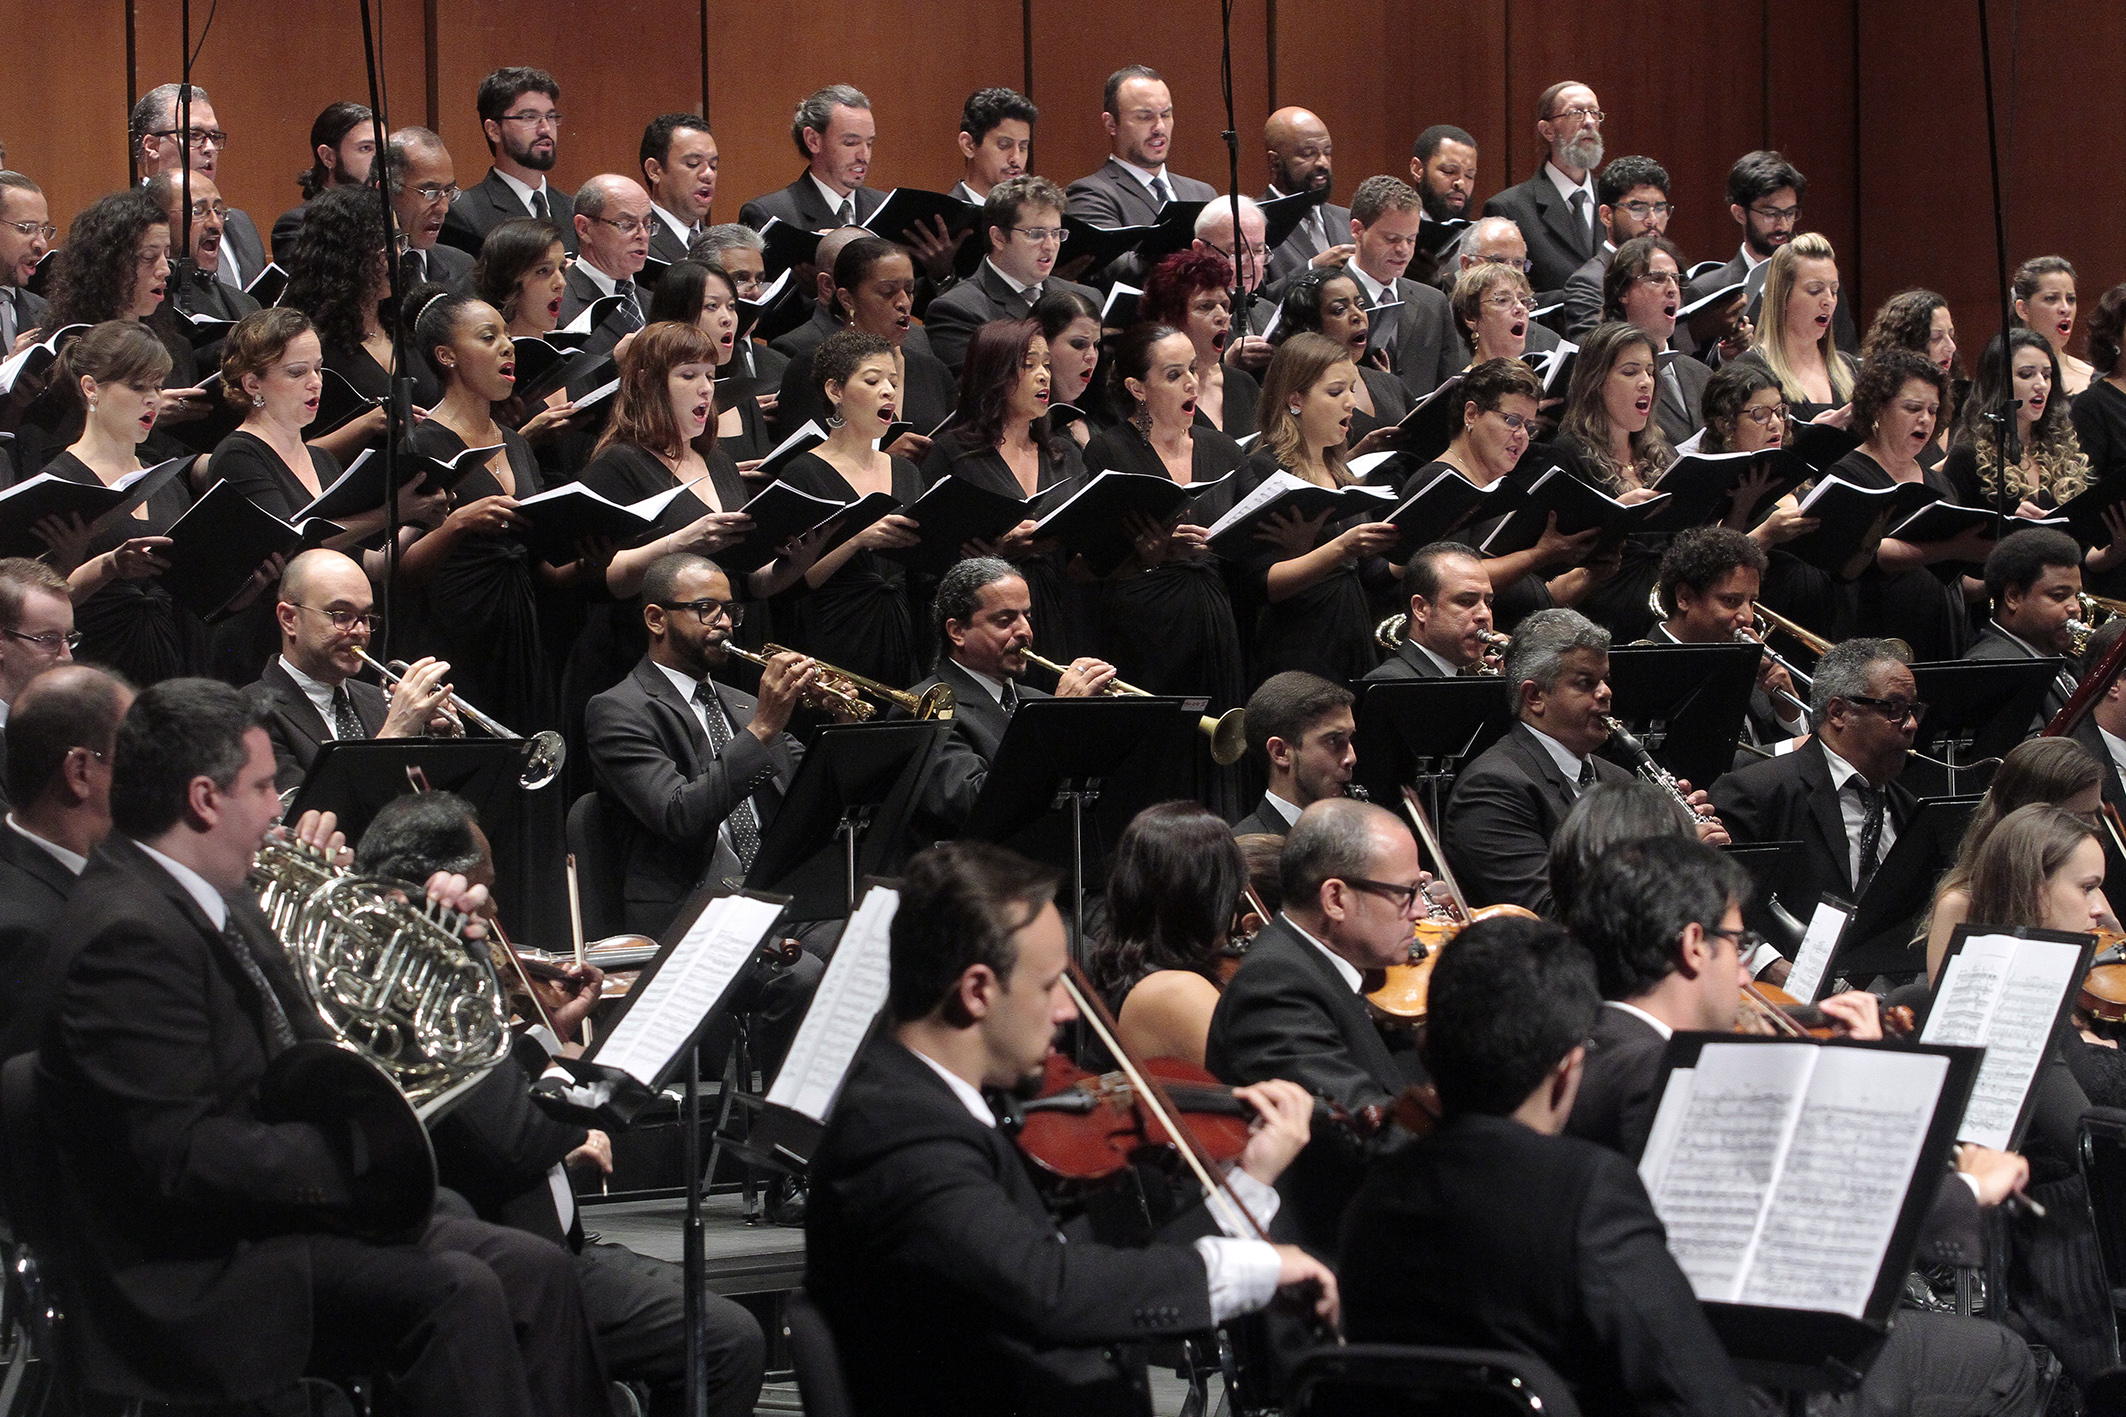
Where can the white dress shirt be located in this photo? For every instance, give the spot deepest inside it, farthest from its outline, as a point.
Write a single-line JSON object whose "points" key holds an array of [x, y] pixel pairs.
{"points": [[1242, 1271], [1452, 671], [196, 886], [320, 695], [1854, 814], [1568, 761], [833, 198], [524, 193], [74, 861], [1288, 810]]}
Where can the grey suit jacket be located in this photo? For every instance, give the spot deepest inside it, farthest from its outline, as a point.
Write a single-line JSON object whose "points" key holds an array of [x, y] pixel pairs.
{"points": [[1111, 197], [1408, 662], [664, 246], [1581, 309], [1425, 349], [1678, 418], [240, 236], [298, 730], [30, 311], [1994, 643], [489, 202], [579, 292], [801, 205], [952, 317], [1265, 820], [1558, 244], [1505, 808], [1303, 245]]}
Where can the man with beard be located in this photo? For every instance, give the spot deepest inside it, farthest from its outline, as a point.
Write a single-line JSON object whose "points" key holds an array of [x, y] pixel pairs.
{"points": [[159, 147], [1555, 209], [26, 233], [1134, 182], [1300, 161], [996, 141], [1633, 194], [1443, 169], [424, 183], [1764, 195], [202, 292], [520, 115]]}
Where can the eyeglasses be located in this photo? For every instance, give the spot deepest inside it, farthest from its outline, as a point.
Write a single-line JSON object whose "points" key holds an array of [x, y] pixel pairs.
{"points": [[1895, 710], [1595, 113], [50, 640], [202, 210], [1659, 279], [1508, 302], [434, 192], [1765, 415], [1780, 214], [1515, 422], [1038, 234], [346, 622], [34, 228], [626, 226], [1643, 210], [1407, 896], [1518, 263], [708, 611], [1746, 941], [197, 138], [551, 118]]}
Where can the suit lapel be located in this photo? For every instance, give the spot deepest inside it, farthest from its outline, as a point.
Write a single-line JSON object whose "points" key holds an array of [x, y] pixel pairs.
{"points": [[1557, 215], [1824, 809], [986, 719], [33, 860], [1009, 303], [1134, 193], [662, 692], [1544, 769], [1371, 1053], [302, 715]]}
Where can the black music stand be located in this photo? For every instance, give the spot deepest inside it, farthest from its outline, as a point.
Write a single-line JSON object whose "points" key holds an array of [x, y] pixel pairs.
{"points": [[845, 816], [1976, 709], [1878, 939], [1685, 702], [1060, 757], [355, 778], [1422, 732], [1770, 864]]}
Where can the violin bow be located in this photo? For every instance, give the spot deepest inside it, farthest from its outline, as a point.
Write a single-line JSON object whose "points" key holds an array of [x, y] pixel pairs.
{"points": [[1153, 1092], [516, 966], [575, 931], [1418, 819]]}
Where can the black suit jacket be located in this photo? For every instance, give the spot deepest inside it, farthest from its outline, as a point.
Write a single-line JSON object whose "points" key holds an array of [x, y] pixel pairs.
{"points": [[651, 759], [1580, 307], [240, 235], [1110, 197], [943, 1277], [1425, 350], [447, 265], [298, 729], [1288, 1013], [952, 317], [1505, 808], [496, 1147], [1679, 410], [1558, 243], [1994, 643], [802, 205], [978, 724], [1790, 798], [184, 1211], [1408, 662], [30, 311], [2090, 736], [33, 890], [1265, 820], [579, 292], [665, 245], [1489, 1234], [489, 202]]}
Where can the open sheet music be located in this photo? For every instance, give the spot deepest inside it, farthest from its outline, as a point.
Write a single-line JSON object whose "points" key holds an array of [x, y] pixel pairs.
{"points": [[1780, 1170], [850, 995], [2004, 993], [669, 1004]]}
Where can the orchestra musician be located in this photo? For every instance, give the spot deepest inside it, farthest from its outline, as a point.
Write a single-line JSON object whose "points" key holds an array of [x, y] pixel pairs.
{"points": [[945, 1280], [2034, 579], [1299, 727], [208, 1246], [1295, 1007], [1708, 584], [1450, 615]]}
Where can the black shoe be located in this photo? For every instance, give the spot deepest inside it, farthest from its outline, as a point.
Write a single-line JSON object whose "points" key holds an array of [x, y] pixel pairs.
{"points": [[789, 1211]]}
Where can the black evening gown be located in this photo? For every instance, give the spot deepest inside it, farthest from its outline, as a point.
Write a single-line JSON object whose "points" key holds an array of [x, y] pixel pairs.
{"points": [[243, 644], [2099, 414], [372, 380], [1391, 404], [480, 610], [1242, 398], [1619, 604], [1063, 615], [1170, 630], [1325, 629], [1924, 606], [863, 618], [137, 627]]}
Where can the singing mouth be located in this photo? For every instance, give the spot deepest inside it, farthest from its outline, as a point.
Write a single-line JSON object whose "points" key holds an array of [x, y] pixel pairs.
{"points": [[1218, 340], [310, 405], [553, 307], [704, 195], [701, 412], [885, 412], [509, 372], [902, 322], [1519, 328], [1643, 404], [1041, 395], [147, 420], [2066, 328], [1188, 406], [1822, 320], [1668, 311]]}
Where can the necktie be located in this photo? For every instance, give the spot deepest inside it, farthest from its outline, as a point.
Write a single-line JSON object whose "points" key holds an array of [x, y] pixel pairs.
{"points": [[280, 1035], [631, 308], [1160, 192], [1587, 773], [412, 270], [1870, 832], [7, 320], [743, 821], [845, 215], [1032, 296], [1579, 213], [1010, 698], [539, 209], [346, 723]]}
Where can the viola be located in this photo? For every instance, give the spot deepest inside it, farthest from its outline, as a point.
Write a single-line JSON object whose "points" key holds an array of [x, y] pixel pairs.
{"points": [[1402, 996], [2103, 992]]}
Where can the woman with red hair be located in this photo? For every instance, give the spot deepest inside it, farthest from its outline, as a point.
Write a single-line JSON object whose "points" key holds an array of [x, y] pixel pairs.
{"points": [[1193, 292]]}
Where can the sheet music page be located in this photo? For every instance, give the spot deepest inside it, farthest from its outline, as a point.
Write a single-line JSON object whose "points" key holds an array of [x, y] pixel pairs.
{"points": [[686, 986], [1271, 487], [1816, 947], [1714, 1180], [850, 995], [2006, 1000], [1844, 1179]]}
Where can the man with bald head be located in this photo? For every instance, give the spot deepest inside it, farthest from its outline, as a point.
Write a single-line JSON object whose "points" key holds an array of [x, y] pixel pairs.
{"points": [[311, 692], [1556, 208], [204, 293], [613, 220], [424, 184], [63, 726], [1301, 160], [1296, 1008]]}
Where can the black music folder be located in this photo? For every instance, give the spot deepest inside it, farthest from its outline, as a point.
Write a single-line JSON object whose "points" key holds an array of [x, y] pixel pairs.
{"points": [[225, 537], [46, 495]]}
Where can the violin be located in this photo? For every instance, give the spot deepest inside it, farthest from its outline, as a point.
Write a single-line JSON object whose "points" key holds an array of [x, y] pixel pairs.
{"points": [[1404, 990], [1769, 1009], [2103, 992]]}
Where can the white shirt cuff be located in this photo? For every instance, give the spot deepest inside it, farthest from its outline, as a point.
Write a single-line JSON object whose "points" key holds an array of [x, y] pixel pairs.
{"points": [[1262, 1202], [1760, 957], [1242, 1274], [542, 1035], [1972, 1181]]}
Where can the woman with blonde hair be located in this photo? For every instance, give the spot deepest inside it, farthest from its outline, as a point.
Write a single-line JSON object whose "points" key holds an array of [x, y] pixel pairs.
{"points": [[1794, 338]]}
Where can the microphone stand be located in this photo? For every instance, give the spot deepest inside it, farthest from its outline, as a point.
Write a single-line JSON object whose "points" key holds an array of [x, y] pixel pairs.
{"points": [[398, 406], [1243, 294], [2005, 430], [181, 260]]}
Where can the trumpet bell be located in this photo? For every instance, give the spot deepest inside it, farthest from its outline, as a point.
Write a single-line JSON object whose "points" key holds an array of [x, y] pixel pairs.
{"points": [[1229, 737], [542, 762]]}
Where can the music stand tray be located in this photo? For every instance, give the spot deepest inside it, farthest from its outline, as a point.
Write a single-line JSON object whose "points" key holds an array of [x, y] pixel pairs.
{"points": [[845, 815], [1697, 694], [1420, 728], [1994, 700], [1878, 939]]}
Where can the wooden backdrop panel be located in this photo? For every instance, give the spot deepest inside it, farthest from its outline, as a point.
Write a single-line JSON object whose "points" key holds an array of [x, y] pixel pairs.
{"points": [[63, 107]]}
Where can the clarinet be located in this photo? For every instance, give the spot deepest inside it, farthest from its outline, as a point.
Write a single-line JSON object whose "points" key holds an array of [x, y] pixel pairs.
{"points": [[1652, 771]]}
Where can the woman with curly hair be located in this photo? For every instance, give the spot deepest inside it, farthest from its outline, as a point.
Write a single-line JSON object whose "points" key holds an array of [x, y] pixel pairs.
{"points": [[1324, 300], [874, 293], [2052, 468], [1610, 433], [2099, 411], [1192, 291], [338, 275], [1919, 320]]}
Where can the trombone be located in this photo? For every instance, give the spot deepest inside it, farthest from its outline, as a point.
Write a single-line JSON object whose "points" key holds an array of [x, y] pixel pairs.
{"points": [[1228, 732], [1388, 634], [541, 765], [841, 691]]}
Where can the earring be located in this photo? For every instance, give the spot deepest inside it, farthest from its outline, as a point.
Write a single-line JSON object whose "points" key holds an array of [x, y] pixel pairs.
{"points": [[92, 405], [834, 419], [258, 400], [1293, 410]]}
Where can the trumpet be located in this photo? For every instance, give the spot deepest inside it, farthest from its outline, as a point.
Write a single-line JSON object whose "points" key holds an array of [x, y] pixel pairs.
{"points": [[542, 764], [1228, 732], [842, 691], [1773, 620]]}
